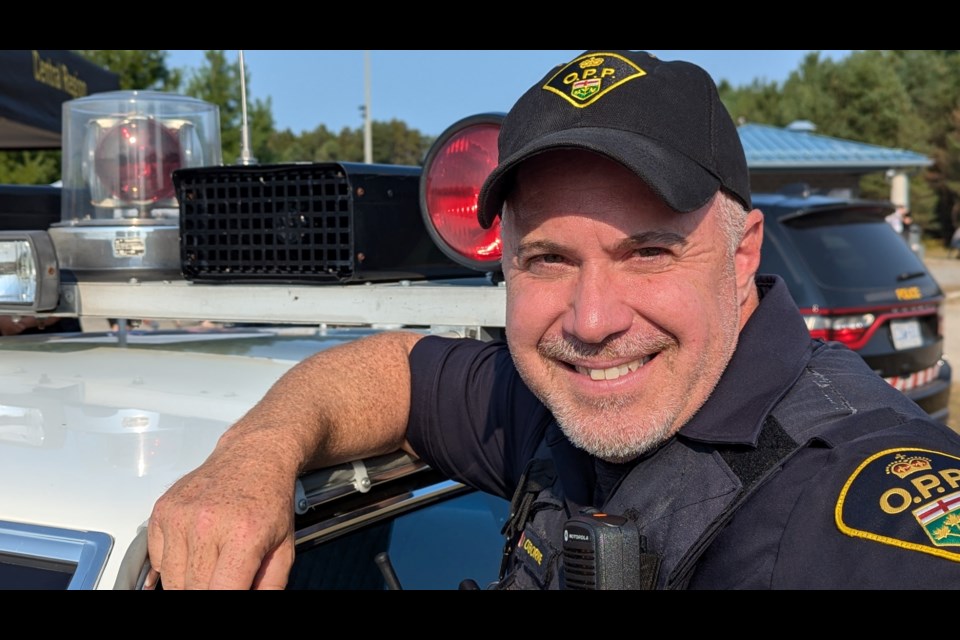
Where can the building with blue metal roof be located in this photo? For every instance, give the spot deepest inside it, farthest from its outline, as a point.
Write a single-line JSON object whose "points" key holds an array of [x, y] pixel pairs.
{"points": [[795, 154]]}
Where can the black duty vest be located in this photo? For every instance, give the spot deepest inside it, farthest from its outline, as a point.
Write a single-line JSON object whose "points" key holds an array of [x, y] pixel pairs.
{"points": [[680, 496]]}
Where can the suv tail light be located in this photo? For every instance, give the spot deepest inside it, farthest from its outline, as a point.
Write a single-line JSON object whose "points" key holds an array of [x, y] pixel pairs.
{"points": [[850, 330], [855, 327], [455, 169]]}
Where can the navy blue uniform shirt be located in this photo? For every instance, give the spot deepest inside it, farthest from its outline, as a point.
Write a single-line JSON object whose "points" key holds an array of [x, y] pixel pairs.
{"points": [[877, 508]]}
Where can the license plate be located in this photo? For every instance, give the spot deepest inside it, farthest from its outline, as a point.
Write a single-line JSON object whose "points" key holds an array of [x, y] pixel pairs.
{"points": [[905, 334]]}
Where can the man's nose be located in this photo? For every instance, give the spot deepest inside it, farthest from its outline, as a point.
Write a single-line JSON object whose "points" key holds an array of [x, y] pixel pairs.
{"points": [[598, 309]]}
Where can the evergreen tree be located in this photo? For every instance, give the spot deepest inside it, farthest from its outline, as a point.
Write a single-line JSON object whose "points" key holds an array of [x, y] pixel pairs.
{"points": [[218, 81]]}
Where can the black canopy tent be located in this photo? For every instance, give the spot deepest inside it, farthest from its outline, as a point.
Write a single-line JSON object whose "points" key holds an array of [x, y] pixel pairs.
{"points": [[34, 84]]}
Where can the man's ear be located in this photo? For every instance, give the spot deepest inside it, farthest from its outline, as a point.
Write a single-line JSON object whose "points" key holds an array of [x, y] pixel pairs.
{"points": [[747, 259]]}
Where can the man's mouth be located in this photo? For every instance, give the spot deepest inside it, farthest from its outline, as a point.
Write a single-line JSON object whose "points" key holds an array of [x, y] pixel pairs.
{"points": [[612, 373]]}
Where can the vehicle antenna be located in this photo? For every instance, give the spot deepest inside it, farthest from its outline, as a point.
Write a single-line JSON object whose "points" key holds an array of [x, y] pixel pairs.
{"points": [[246, 157]]}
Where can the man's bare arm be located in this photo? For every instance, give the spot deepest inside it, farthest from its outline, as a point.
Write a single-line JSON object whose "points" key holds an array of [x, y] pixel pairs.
{"points": [[229, 523]]}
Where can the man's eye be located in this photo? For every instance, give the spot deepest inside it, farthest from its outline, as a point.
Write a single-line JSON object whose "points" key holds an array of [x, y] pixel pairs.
{"points": [[545, 261], [545, 258], [649, 252]]}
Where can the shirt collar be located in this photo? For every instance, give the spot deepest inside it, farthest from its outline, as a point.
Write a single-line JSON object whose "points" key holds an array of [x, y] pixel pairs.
{"points": [[772, 350]]}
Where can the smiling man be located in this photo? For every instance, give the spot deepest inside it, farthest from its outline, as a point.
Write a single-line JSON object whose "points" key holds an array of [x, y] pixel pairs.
{"points": [[648, 371], [622, 315]]}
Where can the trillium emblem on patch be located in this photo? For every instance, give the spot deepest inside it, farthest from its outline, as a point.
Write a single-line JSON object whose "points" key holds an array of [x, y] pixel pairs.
{"points": [[583, 89], [588, 78], [941, 520]]}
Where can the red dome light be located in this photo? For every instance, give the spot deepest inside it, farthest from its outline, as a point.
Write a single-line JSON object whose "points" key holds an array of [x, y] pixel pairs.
{"points": [[456, 167], [134, 161]]}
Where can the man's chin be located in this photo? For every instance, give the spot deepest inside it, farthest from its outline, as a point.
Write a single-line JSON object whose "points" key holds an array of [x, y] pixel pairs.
{"points": [[615, 441]]}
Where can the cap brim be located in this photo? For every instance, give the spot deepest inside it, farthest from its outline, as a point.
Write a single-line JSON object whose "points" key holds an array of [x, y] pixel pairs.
{"points": [[682, 183]]}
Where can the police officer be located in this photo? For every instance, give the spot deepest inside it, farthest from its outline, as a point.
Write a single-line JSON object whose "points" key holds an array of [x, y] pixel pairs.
{"points": [[648, 371]]}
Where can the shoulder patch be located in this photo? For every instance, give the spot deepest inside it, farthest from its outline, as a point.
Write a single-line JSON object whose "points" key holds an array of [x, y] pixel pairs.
{"points": [[908, 498], [586, 79]]}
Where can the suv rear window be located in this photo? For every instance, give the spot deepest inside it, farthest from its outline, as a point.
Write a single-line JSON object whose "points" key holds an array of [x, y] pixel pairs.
{"points": [[832, 245]]}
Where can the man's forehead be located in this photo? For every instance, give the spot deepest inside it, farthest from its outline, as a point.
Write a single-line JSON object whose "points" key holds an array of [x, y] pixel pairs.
{"points": [[573, 171], [580, 180]]}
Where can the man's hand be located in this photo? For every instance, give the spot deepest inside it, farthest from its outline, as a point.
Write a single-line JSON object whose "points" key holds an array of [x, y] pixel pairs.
{"points": [[226, 525], [229, 523]]}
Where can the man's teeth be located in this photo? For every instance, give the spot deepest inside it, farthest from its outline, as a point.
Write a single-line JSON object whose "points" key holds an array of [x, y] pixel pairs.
{"points": [[613, 372]]}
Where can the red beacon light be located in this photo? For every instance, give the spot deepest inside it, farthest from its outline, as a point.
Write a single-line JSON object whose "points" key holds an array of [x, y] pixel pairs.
{"points": [[455, 169], [133, 162], [121, 148], [119, 209]]}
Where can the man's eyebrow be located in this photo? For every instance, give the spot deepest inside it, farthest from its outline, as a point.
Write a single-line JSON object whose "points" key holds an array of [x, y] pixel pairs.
{"points": [[540, 246], [644, 238], [658, 238]]}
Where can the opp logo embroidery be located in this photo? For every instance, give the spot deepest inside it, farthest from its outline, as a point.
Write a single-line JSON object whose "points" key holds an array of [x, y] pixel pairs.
{"points": [[588, 78], [908, 498]]}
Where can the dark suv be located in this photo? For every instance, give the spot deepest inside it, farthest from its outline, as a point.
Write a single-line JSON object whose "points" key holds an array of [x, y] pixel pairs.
{"points": [[856, 281]]}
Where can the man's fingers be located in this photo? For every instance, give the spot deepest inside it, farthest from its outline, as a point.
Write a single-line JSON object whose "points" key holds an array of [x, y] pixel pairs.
{"points": [[151, 580], [186, 552], [238, 568], [197, 563], [154, 542], [167, 549], [275, 570], [208, 532], [203, 557]]}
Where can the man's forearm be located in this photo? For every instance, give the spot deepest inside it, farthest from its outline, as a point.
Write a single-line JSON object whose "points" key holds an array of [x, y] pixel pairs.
{"points": [[347, 402]]}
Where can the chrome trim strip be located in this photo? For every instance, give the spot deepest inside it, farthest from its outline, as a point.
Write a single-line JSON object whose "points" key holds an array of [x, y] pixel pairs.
{"points": [[87, 549], [343, 522], [323, 485]]}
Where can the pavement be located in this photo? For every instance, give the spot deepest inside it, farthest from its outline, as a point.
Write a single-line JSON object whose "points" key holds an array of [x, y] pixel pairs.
{"points": [[946, 271]]}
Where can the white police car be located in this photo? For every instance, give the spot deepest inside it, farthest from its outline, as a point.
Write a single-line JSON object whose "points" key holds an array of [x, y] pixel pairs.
{"points": [[285, 261]]}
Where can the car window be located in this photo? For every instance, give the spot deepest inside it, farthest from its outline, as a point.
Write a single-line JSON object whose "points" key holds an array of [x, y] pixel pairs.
{"points": [[435, 547], [772, 261], [859, 255]]}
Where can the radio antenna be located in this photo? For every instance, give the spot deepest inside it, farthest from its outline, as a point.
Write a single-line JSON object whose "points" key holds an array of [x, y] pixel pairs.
{"points": [[246, 157]]}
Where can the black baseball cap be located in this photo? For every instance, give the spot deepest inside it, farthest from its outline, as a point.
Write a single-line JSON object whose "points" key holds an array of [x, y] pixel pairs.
{"points": [[662, 120]]}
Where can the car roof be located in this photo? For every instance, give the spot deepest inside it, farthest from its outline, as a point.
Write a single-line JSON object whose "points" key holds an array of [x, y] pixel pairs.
{"points": [[780, 204], [92, 431]]}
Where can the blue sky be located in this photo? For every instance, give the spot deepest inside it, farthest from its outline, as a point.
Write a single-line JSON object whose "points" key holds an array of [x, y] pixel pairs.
{"points": [[430, 90]]}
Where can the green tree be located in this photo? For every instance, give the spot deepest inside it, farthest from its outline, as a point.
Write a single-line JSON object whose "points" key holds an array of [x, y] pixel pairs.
{"points": [[218, 81], [870, 101], [319, 145], [395, 143], [757, 102], [859, 98], [29, 167], [933, 81]]}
